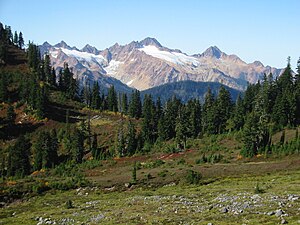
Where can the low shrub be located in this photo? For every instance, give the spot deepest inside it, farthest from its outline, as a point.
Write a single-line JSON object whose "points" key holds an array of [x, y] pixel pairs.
{"points": [[163, 173], [181, 162], [153, 164], [212, 158], [258, 189], [193, 177], [69, 204]]}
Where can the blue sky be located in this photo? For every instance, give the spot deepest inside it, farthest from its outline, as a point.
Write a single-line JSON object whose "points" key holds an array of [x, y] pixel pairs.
{"points": [[262, 30]]}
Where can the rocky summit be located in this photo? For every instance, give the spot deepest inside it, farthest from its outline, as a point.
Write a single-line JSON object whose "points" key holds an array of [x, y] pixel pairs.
{"points": [[146, 64]]}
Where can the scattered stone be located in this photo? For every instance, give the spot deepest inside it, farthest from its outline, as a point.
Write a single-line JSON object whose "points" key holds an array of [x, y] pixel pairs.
{"points": [[210, 224], [283, 221], [279, 212], [97, 218], [127, 185], [170, 184], [246, 205], [14, 213], [271, 213], [224, 210], [281, 204], [293, 198], [110, 188]]}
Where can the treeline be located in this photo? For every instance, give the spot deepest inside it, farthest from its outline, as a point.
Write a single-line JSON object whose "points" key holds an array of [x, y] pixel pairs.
{"points": [[7, 38], [269, 106], [265, 107]]}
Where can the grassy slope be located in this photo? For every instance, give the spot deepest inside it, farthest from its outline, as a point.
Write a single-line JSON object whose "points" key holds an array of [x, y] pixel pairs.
{"points": [[161, 195], [179, 204], [166, 199]]}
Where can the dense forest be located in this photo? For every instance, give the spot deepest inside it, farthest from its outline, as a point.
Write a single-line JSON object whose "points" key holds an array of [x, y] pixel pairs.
{"points": [[263, 109]]}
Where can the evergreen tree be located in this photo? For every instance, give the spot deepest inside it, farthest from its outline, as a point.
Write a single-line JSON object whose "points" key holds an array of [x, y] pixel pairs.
{"points": [[285, 106], [9, 35], [238, 113], [135, 105], [45, 148], [11, 115], [53, 151], [256, 135], [124, 103], [34, 57], [3, 87], [181, 128], [223, 109], [194, 112], [78, 146], [297, 94], [162, 131], [40, 150], [2, 33], [250, 135], [249, 97], [121, 143], [21, 40], [68, 84], [159, 109], [171, 112], [3, 52], [104, 104], [95, 152], [87, 94], [96, 99], [41, 102], [52, 80], [47, 69], [148, 124], [60, 80], [3, 44], [131, 138], [112, 99], [16, 39], [208, 118], [18, 158]]}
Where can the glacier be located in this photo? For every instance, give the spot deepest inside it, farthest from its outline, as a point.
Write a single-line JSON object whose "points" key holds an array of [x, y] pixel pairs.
{"points": [[173, 57]]}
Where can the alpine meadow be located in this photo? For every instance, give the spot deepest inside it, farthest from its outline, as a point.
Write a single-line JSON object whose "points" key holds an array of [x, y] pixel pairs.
{"points": [[142, 133]]}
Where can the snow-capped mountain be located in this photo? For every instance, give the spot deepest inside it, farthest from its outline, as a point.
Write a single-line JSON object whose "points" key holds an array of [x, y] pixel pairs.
{"points": [[86, 64], [146, 64]]}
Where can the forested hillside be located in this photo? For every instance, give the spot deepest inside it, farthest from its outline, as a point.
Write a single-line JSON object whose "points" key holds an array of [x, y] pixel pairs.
{"points": [[186, 90], [50, 122]]}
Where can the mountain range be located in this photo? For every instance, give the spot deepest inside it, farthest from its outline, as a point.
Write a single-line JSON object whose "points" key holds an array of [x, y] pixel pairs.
{"points": [[147, 64]]}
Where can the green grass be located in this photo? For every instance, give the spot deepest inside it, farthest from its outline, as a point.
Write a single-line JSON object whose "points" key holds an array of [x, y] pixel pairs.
{"points": [[171, 204]]}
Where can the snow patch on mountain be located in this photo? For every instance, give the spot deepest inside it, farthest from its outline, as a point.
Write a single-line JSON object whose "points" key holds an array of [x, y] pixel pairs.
{"points": [[173, 57], [54, 54], [112, 67], [84, 56], [129, 82]]}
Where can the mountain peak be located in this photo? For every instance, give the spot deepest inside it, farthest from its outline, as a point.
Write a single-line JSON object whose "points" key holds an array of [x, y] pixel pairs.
{"points": [[213, 51], [150, 41], [46, 44], [90, 49], [62, 44], [258, 63]]}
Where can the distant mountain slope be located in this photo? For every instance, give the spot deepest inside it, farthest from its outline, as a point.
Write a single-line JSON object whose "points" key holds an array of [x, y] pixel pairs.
{"points": [[146, 64], [186, 90], [86, 64]]}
